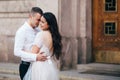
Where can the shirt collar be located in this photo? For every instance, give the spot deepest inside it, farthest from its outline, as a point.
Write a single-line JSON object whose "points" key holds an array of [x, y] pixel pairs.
{"points": [[27, 26]]}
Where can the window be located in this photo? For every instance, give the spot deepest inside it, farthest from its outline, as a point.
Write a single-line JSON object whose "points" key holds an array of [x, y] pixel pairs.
{"points": [[110, 28], [110, 5]]}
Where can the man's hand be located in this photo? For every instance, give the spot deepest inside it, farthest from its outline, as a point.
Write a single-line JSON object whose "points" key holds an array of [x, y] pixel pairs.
{"points": [[41, 57]]}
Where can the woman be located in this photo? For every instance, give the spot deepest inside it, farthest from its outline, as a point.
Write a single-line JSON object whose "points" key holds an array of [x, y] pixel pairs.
{"points": [[49, 42]]}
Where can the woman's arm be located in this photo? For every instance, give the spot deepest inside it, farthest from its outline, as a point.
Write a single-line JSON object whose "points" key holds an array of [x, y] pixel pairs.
{"points": [[35, 49], [37, 43]]}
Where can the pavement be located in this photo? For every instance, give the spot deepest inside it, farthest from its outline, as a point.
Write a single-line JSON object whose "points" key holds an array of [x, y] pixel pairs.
{"points": [[93, 71]]}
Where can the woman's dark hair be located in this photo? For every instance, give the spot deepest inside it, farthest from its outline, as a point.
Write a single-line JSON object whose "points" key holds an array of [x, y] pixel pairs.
{"points": [[56, 37]]}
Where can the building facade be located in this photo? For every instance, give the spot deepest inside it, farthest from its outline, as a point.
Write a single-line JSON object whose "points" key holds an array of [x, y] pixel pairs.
{"points": [[89, 29]]}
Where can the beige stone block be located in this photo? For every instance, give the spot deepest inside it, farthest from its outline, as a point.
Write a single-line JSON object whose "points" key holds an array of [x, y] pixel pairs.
{"points": [[14, 15], [3, 49], [7, 49], [10, 47], [68, 18], [9, 26], [69, 55], [65, 19], [49, 6], [16, 5]]}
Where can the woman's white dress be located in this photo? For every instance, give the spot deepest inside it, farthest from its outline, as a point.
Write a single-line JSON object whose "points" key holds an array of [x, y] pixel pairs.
{"points": [[46, 70]]}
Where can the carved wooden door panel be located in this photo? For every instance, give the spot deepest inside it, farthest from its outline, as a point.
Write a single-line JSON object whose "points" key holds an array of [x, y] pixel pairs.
{"points": [[106, 31]]}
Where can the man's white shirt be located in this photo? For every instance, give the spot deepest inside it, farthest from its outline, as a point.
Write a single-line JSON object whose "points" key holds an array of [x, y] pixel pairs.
{"points": [[24, 39]]}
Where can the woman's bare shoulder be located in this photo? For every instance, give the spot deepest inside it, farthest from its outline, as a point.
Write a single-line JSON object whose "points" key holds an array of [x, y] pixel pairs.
{"points": [[44, 33]]}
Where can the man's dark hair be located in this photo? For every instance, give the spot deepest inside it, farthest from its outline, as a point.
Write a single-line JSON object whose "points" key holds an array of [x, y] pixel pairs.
{"points": [[36, 10]]}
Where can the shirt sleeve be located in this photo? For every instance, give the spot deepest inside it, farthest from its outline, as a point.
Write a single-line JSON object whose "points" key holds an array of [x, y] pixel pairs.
{"points": [[19, 46], [38, 40]]}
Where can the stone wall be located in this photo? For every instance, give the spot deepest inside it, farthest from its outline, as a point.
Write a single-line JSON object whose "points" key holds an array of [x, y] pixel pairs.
{"points": [[74, 19], [49, 6], [13, 13]]}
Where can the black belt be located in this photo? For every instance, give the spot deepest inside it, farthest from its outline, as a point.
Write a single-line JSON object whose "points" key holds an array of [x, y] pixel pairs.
{"points": [[24, 62]]}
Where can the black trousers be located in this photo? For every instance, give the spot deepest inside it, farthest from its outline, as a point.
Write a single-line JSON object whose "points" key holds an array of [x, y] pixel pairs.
{"points": [[23, 68]]}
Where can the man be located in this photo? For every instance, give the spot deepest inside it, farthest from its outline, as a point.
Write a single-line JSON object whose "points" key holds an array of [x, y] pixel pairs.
{"points": [[23, 41]]}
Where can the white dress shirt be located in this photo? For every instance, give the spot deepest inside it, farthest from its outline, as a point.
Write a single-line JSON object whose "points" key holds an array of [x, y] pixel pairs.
{"points": [[24, 39]]}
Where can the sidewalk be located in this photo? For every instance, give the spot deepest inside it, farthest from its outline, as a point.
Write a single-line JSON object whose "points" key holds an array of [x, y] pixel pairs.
{"points": [[9, 71]]}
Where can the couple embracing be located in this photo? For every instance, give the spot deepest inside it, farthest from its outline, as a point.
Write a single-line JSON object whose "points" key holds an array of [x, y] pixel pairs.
{"points": [[38, 44]]}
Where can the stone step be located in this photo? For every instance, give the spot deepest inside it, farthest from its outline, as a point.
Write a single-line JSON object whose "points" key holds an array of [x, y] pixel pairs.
{"points": [[110, 71], [9, 68], [9, 71], [99, 66], [9, 76], [77, 75]]}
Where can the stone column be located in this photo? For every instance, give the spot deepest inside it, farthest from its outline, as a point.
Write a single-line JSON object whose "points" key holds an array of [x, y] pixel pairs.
{"points": [[68, 27], [75, 23], [89, 30], [84, 31]]}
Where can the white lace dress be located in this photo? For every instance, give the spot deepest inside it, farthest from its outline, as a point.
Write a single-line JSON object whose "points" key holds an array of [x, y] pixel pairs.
{"points": [[46, 70]]}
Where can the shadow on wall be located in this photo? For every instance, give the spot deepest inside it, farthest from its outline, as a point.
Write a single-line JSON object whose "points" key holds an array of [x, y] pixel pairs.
{"points": [[69, 58]]}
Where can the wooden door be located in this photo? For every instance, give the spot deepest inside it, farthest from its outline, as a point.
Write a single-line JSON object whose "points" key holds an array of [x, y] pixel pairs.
{"points": [[106, 31]]}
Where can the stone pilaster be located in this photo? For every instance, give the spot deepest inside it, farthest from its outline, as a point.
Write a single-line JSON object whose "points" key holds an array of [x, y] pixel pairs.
{"points": [[68, 27], [84, 32]]}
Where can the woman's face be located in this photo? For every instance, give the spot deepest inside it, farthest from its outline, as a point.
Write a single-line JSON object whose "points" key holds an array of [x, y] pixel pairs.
{"points": [[43, 24]]}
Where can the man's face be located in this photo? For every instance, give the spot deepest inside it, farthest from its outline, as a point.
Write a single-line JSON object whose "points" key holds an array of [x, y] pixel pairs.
{"points": [[35, 19]]}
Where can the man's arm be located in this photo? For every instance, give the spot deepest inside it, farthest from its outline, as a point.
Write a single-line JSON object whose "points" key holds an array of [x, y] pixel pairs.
{"points": [[41, 56], [19, 46]]}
